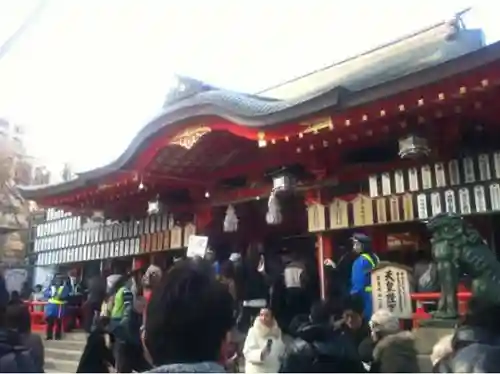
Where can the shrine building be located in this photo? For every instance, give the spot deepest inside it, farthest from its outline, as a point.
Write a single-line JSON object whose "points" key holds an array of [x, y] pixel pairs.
{"points": [[376, 143]]}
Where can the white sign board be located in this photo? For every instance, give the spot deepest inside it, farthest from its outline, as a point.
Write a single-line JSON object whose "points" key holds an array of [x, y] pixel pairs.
{"points": [[391, 290], [197, 246], [14, 279]]}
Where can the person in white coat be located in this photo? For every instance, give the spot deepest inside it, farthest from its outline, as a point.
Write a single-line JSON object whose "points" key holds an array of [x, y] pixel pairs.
{"points": [[263, 347]]}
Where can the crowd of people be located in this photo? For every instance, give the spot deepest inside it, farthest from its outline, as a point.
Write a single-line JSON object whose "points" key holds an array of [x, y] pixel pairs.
{"points": [[190, 324], [243, 314]]}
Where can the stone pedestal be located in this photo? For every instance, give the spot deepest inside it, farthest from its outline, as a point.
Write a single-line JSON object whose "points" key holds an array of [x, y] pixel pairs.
{"points": [[430, 332]]}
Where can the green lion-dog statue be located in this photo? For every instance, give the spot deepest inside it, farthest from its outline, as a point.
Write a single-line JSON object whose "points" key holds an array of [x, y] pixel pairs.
{"points": [[457, 249]]}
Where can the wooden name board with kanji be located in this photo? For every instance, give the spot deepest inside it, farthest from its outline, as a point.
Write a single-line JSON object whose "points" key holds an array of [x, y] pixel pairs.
{"points": [[189, 229], [176, 237], [166, 240], [391, 289], [339, 214], [362, 207], [316, 218], [481, 167]]}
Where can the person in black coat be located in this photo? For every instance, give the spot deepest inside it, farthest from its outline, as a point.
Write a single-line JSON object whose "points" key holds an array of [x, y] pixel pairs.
{"points": [[252, 289], [18, 319], [15, 357], [97, 356], [318, 348], [354, 323], [95, 297], [475, 345]]}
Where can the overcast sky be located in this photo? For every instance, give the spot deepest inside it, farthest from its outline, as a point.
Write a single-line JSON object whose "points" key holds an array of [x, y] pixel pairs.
{"points": [[86, 77]]}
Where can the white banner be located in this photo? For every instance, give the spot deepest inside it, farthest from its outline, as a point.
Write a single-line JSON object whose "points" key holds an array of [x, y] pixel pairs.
{"points": [[197, 246]]}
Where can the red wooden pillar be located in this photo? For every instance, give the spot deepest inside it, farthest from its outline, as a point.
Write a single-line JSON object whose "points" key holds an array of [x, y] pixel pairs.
{"points": [[379, 240], [203, 218], [323, 244], [139, 262], [324, 251]]}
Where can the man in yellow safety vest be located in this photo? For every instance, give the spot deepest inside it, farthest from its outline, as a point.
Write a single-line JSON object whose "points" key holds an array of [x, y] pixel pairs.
{"points": [[361, 271], [57, 293]]}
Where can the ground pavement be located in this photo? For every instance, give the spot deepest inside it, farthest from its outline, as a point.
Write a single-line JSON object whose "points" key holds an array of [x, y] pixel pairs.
{"points": [[62, 356]]}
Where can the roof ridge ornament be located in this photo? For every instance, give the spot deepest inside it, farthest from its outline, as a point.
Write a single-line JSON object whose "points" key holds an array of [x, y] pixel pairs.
{"points": [[456, 24], [183, 88]]}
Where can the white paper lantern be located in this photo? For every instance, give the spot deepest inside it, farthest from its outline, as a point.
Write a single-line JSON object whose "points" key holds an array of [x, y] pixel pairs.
{"points": [[153, 207], [273, 216], [413, 147], [231, 220]]}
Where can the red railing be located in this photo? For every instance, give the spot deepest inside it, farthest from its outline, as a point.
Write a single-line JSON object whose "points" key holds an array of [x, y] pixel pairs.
{"points": [[37, 313], [463, 297]]}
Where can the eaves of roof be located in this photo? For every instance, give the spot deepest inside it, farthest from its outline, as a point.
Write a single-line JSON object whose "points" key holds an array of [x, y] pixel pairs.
{"points": [[436, 60]]}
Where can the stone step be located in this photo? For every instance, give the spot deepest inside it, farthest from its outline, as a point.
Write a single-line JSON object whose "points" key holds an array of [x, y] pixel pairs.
{"points": [[58, 365], [63, 354], [75, 336], [71, 336], [65, 344]]}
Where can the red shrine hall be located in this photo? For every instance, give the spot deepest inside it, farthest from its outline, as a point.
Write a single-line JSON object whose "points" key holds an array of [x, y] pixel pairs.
{"points": [[374, 144]]}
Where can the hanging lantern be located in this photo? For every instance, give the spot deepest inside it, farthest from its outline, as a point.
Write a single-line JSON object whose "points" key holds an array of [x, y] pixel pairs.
{"points": [[273, 215], [413, 147], [230, 220], [282, 182], [153, 207], [97, 216]]}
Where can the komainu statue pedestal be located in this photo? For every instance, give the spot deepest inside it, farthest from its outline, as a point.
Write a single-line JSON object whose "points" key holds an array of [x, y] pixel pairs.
{"points": [[430, 331]]}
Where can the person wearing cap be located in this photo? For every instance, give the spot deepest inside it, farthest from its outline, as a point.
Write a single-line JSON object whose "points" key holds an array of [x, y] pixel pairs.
{"points": [[361, 268], [55, 308]]}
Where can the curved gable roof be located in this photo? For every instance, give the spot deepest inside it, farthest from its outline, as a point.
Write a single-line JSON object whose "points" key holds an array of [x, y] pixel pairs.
{"points": [[394, 72]]}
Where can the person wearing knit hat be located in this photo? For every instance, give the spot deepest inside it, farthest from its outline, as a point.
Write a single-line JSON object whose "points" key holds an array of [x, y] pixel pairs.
{"points": [[152, 274], [384, 322], [150, 278], [394, 350], [235, 257]]}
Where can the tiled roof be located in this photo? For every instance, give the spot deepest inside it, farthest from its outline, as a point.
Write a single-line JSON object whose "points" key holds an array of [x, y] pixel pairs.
{"points": [[385, 72]]}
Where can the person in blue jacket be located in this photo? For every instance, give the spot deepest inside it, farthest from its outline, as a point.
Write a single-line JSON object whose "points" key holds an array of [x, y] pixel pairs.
{"points": [[56, 295], [361, 271]]}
